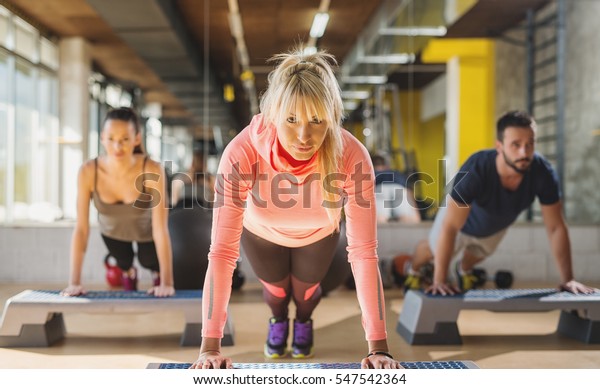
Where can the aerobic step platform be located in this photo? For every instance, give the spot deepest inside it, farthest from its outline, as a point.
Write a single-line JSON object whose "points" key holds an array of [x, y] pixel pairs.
{"points": [[33, 318], [427, 319], [406, 365]]}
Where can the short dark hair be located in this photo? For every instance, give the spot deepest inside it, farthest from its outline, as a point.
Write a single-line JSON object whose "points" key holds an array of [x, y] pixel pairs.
{"points": [[379, 160], [514, 119]]}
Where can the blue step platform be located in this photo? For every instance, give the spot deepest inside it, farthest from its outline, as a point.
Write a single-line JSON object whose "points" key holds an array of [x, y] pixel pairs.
{"points": [[427, 319], [34, 318]]}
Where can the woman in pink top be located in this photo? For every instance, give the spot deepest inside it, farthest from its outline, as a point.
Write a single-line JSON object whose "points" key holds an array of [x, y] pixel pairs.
{"points": [[281, 186]]}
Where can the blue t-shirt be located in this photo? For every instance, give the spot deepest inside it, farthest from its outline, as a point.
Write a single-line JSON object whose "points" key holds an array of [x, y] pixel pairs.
{"points": [[389, 176], [493, 207]]}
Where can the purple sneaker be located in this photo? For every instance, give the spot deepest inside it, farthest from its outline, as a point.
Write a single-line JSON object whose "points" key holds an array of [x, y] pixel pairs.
{"points": [[303, 339], [276, 346], [130, 282]]}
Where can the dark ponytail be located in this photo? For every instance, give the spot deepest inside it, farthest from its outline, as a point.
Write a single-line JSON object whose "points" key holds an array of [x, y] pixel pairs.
{"points": [[127, 115]]}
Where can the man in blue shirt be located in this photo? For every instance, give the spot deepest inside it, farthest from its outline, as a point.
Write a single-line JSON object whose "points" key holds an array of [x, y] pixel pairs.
{"points": [[492, 188]]}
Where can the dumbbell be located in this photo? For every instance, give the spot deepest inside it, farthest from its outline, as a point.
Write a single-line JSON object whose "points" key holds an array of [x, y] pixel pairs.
{"points": [[481, 276], [503, 278]]}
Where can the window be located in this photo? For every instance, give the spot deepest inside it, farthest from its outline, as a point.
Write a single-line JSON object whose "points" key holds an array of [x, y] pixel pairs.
{"points": [[25, 122], [29, 162], [3, 27], [4, 124], [153, 138], [48, 54], [45, 186], [177, 147], [26, 40], [94, 124]]}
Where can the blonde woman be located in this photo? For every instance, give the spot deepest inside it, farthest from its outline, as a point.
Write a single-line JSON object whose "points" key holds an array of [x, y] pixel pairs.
{"points": [[281, 186], [128, 190]]}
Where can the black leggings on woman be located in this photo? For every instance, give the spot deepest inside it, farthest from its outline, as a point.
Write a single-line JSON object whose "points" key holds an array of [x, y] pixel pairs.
{"points": [[123, 252], [290, 273]]}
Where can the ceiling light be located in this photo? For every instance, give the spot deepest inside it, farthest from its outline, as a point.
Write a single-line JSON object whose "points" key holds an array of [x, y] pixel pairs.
{"points": [[235, 25], [365, 79], [350, 105], [356, 94], [308, 50], [228, 93], [399, 59], [319, 23], [414, 31]]}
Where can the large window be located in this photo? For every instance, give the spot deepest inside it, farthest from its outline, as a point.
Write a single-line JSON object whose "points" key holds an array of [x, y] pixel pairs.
{"points": [[4, 124], [104, 95], [29, 160], [32, 144], [3, 27], [45, 186], [25, 123], [177, 148]]}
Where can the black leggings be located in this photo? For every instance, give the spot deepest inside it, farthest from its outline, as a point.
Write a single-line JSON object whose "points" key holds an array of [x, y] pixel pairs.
{"points": [[123, 252], [288, 273]]}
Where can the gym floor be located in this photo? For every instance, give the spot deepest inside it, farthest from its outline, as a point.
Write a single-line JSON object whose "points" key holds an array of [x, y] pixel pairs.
{"points": [[131, 341]]}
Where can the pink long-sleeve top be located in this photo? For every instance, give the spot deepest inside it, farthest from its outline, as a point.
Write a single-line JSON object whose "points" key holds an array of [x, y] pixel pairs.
{"points": [[257, 188]]}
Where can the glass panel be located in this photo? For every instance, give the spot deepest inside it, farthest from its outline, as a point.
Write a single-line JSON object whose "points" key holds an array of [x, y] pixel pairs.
{"points": [[153, 138], [153, 147], [94, 138], [3, 132], [126, 99], [25, 40], [25, 121], [177, 147], [4, 92], [45, 157], [49, 54], [113, 95], [3, 27]]}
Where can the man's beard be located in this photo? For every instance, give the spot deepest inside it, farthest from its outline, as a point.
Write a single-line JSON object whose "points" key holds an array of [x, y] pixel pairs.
{"points": [[513, 164]]}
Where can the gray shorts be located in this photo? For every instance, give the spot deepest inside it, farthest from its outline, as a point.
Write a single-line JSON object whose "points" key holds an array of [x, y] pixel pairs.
{"points": [[480, 247]]}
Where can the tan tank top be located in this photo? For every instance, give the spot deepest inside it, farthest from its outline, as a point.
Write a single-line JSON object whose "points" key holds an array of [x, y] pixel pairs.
{"points": [[123, 221]]}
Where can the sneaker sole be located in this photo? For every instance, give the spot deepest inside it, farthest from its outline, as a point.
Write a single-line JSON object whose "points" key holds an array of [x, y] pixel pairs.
{"points": [[302, 356], [406, 287], [274, 355]]}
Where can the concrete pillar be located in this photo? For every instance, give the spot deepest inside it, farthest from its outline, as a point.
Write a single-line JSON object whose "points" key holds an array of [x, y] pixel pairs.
{"points": [[74, 72]]}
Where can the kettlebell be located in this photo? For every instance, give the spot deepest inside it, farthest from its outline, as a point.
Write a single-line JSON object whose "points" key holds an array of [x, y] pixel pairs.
{"points": [[114, 274]]}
